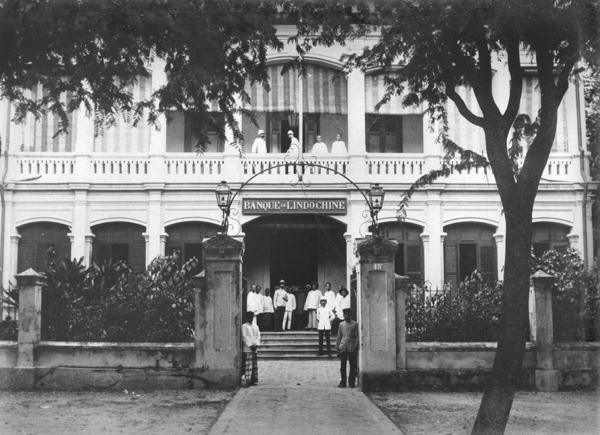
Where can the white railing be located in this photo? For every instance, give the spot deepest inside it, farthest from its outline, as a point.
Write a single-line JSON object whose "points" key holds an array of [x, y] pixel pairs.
{"points": [[45, 165], [198, 165], [120, 166], [210, 167]]}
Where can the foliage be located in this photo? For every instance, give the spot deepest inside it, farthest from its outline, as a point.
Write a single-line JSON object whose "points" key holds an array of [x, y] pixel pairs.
{"points": [[110, 303], [574, 296], [468, 313], [94, 50]]}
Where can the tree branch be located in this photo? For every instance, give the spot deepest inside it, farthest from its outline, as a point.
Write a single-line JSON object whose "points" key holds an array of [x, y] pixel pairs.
{"points": [[516, 79], [462, 107]]}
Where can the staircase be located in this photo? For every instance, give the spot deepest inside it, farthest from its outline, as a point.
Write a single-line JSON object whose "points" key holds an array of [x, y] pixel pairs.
{"points": [[296, 345]]}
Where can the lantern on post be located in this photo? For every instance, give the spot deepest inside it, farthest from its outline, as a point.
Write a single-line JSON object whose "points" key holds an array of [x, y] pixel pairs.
{"points": [[223, 195], [376, 195]]}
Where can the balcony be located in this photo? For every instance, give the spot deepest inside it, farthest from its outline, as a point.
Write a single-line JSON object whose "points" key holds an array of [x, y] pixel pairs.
{"points": [[177, 168]]}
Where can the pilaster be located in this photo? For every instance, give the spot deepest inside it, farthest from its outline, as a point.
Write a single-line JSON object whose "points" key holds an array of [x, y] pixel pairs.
{"points": [[158, 132], [433, 240], [357, 137], [154, 228], [9, 265], [79, 224], [546, 377]]}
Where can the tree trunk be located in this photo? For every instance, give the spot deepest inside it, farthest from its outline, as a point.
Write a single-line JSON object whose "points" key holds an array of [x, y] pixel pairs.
{"points": [[497, 399]]}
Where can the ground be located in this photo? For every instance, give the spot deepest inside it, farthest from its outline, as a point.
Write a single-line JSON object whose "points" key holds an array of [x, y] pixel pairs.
{"points": [[66, 413], [295, 387], [418, 413]]}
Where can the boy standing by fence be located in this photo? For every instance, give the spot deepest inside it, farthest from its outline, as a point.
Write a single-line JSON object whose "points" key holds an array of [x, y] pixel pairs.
{"points": [[251, 339]]}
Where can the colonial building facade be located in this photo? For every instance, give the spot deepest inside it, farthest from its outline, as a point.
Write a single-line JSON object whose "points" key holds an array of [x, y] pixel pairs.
{"points": [[134, 193]]}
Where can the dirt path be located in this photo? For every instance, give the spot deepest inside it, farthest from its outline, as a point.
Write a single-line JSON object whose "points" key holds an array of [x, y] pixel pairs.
{"points": [[454, 413], [159, 412]]}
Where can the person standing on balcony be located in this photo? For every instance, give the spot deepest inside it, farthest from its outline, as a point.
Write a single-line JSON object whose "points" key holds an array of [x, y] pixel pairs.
{"points": [[338, 146], [259, 146], [295, 150], [320, 147]]}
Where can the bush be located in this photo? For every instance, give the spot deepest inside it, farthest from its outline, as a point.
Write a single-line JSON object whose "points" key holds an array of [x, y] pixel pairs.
{"points": [[575, 294], [110, 303], [468, 313]]}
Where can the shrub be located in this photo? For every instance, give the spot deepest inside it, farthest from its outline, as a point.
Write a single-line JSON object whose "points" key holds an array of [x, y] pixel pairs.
{"points": [[110, 303], [467, 313]]}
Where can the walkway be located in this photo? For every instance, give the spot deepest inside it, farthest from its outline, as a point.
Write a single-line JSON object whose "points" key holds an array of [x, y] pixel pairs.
{"points": [[301, 397]]}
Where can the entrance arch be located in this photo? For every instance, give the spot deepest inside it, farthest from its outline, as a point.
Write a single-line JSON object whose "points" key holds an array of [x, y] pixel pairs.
{"points": [[298, 248]]}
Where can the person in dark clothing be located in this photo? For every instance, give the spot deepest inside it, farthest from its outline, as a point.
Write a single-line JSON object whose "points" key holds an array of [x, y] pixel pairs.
{"points": [[347, 346]]}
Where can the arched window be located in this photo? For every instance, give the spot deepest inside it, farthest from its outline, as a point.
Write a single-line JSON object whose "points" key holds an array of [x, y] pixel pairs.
{"points": [[546, 236], [120, 241], [469, 246], [185, 239], [42, 243], [409, 257]]}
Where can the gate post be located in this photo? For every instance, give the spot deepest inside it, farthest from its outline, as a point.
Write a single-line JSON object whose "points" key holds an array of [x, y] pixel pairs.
{"points": [[218, 322], [546, 376], [377, 310], [30, 285]]}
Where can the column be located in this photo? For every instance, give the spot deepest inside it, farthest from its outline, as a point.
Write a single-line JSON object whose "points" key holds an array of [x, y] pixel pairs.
{"points": [[8, 256], [377, 312], [83, 135], [13, 258], [431, 148], [163, 244], [158, 132], [350, 258], [546, 377], [154, 226], [88, 248], [79, 226], [357, 138], [218, 320], [433, 241], [30, 325]]}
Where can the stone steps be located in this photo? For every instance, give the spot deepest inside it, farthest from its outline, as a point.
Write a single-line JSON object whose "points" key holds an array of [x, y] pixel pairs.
{"points": [[294, 345]]}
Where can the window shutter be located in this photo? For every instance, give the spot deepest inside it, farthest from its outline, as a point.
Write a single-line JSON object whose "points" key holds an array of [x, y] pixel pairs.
{"points": [[26, 257], [414, 263], [450, 264], [488, 262], [137, 255]]}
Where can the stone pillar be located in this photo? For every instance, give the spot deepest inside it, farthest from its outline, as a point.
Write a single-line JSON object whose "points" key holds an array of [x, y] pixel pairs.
{"points": [[546, 377], [402, 290], [218, 319], [30, 285], [377, 312]]}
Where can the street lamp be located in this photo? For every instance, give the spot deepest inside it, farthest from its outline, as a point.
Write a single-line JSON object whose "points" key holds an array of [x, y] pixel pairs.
{"points": [[223, 194], [376, 195]]}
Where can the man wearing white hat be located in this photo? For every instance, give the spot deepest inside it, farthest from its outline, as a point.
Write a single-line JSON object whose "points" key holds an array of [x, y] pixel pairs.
{"points": [[295, 150], [259, 146]]}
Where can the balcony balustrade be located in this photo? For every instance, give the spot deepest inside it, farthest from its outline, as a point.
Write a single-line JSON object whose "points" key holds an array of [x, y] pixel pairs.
{"points": [[274, 168]]}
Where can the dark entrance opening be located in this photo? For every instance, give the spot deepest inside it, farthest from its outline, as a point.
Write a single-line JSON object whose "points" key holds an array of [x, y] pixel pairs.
{"points": [[298, 248]]}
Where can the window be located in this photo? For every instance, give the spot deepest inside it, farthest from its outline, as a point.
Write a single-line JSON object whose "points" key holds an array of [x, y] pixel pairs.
{"points": [[394, 133], [120, 241], [547, 236], [409, 256], [183, 132], [469, 247], [41, 244]]}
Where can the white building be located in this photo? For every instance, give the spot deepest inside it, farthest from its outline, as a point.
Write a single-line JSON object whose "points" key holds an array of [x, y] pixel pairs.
{"points": [[135, 193]]}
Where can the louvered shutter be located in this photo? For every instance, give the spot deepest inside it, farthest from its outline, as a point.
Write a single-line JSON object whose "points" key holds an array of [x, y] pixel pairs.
{"points": [[414, 263], [488, 262], [450, 264]]}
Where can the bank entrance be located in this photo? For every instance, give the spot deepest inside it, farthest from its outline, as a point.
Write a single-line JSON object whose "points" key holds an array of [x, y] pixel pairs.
{"points": [[299, 248]]}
